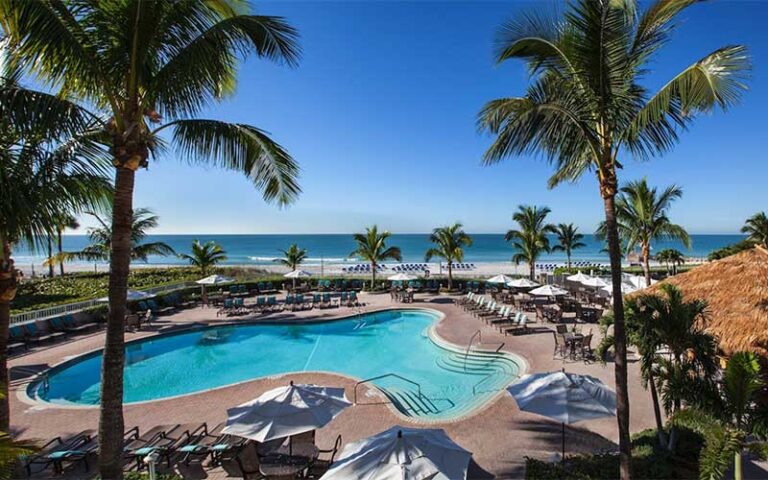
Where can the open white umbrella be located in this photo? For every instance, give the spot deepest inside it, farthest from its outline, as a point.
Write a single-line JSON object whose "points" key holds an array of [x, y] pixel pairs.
{"points": [[626, 288], [522, 283], [579, 277], [298, 274], [501, 278], [402, 453], [285, 411], [548, 291], [596, 282], [401, 277], [638, 281], [133, 296], [214, 280], [565, 397]]}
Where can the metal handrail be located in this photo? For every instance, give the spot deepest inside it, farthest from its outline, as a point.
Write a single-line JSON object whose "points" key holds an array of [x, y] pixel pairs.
{"points": [[479, 334], [418, 386]]}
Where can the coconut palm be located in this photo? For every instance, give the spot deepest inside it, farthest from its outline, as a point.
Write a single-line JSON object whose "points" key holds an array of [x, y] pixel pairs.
{"points": [[756, 228], [726, 415], [671, 258], [64, 221], [568, 240], [641, 215], [531, 240], [292, 258], [450, 242], [100, 237], [205, 255], [150, 68], [586, 106], [372, 247]]}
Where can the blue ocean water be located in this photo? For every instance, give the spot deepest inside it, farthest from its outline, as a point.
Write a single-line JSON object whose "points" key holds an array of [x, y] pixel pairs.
{"points": [[263, 249]]}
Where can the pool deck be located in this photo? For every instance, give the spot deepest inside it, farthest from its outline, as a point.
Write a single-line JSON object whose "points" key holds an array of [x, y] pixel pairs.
{"points": [[498, 434]]}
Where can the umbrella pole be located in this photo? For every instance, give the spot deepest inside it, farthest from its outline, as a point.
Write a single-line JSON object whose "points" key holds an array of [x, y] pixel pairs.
{"points": [[562, 459]]}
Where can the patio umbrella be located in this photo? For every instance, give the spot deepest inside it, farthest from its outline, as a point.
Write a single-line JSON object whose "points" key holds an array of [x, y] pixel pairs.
{"points": [[522, 283], [133, 296], [402, 453], [401, 277], [579, 277], [285, 411], [548, 291], [214, 280], [297, 274], [638, 281], [596, 282], [501, 278], [626, 288], [565, 397]]}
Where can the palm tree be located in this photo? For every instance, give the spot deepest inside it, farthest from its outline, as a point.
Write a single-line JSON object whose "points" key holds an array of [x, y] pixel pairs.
{"points": [[151, 67], [292, 258], [726, 415], [568, 240], [205, 255], [641, 215], [671, 257], [101, 237], [531, 240], [450, 242], [372, 247], [63, 222], [586, 106], [756, 228]]}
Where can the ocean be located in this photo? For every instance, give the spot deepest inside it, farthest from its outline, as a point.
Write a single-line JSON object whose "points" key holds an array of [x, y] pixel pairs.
{"points": [[334, 249]]}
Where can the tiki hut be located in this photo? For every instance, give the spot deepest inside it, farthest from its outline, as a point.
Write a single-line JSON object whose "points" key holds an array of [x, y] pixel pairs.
{"points": [[736, 289]]}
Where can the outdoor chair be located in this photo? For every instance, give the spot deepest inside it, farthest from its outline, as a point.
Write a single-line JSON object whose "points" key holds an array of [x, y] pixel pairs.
{"points": [[58, 451], [561, 346], [319, 466]]}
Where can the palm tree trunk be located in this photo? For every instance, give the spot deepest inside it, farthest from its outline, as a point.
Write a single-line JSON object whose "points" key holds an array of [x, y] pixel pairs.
{"points": [[532, 267], [569, 260], [60, 249], [657, 411], [647, 264], [373, 276], [620, 338], [50, 256], [450, 276], [111, 424], [8, 284]]}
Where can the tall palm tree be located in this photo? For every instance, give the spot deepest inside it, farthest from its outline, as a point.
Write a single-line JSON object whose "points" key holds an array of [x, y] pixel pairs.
{"points": [[64, 221], [756, 228], [205, 255], [726, 415], [568, 240], [586, 106], [101, 237], [641, 215], [531, 240], [450, 242], [372, 247], [292, 258], [150, 68], [672, 258]]}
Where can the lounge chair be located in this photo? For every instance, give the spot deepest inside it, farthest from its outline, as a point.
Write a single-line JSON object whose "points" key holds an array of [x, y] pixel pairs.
{"points": [[508, 321], [58, 451], [490, 310], [504, 312], [272, 304], [74, 327], [261, 303], [229, 306], [18, 338], [353, 301], [56, 325], [160, 439], [521, 327], [152, 304]]}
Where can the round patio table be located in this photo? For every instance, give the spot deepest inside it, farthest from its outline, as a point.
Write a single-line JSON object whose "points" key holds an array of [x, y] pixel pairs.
{"points": [[281, 464]]}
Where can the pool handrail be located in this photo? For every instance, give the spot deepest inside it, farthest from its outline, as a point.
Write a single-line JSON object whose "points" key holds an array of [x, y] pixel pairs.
{"points": [[378, 377]]}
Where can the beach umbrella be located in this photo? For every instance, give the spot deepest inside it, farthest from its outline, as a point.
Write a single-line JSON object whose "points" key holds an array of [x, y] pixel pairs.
{"points": [[214, 280], [565, 397], [522, 283], [596, 282], [548, 291], [579, 277], [402, 277], [402, 453], [285, 411], [133, 296], [501, 278], [297, 274], [626, 288]]}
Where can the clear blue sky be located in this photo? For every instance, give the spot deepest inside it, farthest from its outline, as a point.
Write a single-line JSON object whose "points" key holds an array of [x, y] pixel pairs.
{"points": [[381, 116]]}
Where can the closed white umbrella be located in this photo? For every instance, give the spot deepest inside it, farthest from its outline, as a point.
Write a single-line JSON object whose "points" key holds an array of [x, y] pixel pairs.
{"points": [[133, 296], [401, 277], [501, 278], [565, 397], [298, 274], [626, 288], [522, 283], [214, 280], [548, 291], [579, 277], [285, 411], [596, 282], [402, 453], [638, 281]]}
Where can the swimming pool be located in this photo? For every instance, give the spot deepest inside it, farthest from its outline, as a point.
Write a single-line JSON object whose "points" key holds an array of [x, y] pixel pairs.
{"points": [[370, 345]]}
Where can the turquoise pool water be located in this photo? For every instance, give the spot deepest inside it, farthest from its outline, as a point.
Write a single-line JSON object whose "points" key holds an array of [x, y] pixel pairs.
{"points": [[393, 341]]}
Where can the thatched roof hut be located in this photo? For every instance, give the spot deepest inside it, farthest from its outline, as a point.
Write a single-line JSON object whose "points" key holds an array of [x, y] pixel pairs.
{"points": [[736, 289]]}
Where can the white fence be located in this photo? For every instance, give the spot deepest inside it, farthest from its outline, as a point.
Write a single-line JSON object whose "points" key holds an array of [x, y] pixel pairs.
{"points": [[58, 310]]}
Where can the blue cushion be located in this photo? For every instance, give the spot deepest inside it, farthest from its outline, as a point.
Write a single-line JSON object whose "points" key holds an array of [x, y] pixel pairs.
{"points": [[190, 448], [144, 451], [220, 447], [63, 454]]}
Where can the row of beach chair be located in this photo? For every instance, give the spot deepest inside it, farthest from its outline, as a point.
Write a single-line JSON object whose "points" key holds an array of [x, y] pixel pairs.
{"points": [[29, 334], [505, 318]]}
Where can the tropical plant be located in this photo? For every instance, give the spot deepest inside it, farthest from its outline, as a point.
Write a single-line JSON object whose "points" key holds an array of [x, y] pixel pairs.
{"points": [[372, 247], [450, 242], [150, 68], [205, 255], [671, 258], [100, 248], [729, 250], [641, 215], [63, 221], [756, 228], [292, 258], [726, 415], [531, 240], [568, 240], [585, 107]]}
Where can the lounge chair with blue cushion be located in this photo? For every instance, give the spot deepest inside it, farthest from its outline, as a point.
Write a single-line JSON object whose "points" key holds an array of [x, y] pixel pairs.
{"points": [[160, 439], [74, 327], [157, 310], [229, 306], [57, 451]]}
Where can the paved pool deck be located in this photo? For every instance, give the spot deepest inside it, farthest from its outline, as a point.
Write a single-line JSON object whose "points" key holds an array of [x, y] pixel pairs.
{"points": [[499, 434]]}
